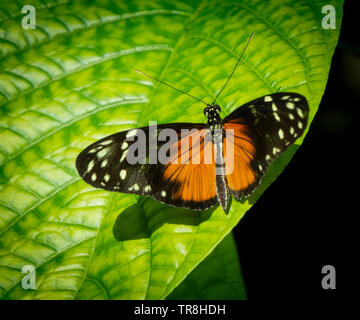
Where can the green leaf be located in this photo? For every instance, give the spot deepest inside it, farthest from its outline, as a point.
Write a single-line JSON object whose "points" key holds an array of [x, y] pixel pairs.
{"points": [[71, 81], [218, 276]]}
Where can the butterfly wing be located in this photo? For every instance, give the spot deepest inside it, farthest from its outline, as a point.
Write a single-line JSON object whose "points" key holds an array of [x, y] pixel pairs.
{"points": [[171, 177], [257, 133], [190, 176]]}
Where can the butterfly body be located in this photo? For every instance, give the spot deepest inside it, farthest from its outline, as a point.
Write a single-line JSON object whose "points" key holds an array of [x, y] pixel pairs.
{"points": [[216, 128], [208, 161]]}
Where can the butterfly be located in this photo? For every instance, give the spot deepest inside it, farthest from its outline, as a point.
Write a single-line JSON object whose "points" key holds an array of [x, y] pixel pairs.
{"points": [[197, 165], [257, 132]]}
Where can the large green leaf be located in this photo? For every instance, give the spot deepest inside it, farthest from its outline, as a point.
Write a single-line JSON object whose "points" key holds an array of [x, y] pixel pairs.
{"points": [[71, 81]]}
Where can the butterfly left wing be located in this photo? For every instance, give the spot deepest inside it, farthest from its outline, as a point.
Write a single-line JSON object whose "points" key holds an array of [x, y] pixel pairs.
{"points": [[106, 164], [258, 132]]}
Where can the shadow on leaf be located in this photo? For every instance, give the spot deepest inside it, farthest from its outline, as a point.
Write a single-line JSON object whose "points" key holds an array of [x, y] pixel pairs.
{"points": [[140, 220]]}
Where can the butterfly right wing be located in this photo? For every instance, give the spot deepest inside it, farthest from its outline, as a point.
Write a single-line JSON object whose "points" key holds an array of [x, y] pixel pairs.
{"points": [[261, 130], [106, 164]]}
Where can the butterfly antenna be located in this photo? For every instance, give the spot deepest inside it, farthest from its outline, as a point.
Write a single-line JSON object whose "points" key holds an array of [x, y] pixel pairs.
{"points": [[170, 86], [234, 68]]}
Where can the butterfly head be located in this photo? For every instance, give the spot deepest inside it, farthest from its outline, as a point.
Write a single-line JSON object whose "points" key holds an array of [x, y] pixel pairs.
{"points": [[212, 112]]}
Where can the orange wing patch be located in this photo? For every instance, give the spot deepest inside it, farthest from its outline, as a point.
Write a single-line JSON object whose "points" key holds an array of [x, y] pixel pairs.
{"points": [[239, 173], [192, 168]]}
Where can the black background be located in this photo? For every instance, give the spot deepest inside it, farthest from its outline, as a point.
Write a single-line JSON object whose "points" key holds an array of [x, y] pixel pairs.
{"points": [[303, 221]]}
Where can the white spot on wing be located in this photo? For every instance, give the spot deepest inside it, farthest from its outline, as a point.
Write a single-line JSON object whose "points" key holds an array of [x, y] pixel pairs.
{"points": [[131, 133], [275, 150], [300, 112], [290, 105], [93, 177], [122, 174], [276, 116], [267, 98], [147, 188], [90, 166], [104, 163], [281, 134], [93, 150], [134, 187], [103, 152], [163, 193], [123, 155], [124, 145], [106, 177], [106, 142]]}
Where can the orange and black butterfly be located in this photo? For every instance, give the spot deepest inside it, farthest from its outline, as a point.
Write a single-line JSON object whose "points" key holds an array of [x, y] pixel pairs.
{"points": [[232, 153]]}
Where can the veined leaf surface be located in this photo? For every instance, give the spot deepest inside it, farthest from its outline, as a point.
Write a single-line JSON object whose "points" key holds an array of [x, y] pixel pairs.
{"points": [[71, 81]]}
